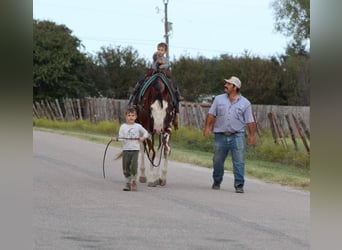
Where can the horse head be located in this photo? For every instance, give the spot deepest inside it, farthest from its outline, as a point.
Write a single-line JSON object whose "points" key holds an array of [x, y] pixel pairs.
{"points": [[158, 113]]}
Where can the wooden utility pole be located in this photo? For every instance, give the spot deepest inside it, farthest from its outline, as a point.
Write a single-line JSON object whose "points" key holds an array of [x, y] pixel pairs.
{"points": [[166, 28]]}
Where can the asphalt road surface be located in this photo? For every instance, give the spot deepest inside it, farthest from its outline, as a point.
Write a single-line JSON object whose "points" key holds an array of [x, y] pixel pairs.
{"points": [[74, 207]]}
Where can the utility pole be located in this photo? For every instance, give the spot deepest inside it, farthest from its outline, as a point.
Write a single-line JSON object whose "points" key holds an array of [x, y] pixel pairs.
{"points": [[166, 28]]}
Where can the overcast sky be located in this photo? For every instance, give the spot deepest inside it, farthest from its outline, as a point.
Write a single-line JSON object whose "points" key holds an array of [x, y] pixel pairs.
{"points": [[206, 28]]}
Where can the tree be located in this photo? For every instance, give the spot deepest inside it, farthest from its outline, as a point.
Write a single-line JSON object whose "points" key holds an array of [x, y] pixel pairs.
{"points": [[59, 68], [117, 71], [190, 76], [292, 18]]}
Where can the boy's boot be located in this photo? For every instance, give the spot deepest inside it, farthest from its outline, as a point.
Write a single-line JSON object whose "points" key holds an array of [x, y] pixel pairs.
{"points": [[134, 186], [127, 187]]}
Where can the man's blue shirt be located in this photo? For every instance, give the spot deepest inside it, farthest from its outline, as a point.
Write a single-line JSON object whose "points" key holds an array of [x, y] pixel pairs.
{"points": [[231, 117]]}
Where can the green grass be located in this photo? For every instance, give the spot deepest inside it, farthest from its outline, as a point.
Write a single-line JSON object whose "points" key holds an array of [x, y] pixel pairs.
{"points": [[266, 161]]}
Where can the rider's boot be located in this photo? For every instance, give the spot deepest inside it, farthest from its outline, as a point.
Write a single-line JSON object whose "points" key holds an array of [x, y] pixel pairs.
{"points": [[175, 121], [132, 101], [178, 96], [176, 117]]}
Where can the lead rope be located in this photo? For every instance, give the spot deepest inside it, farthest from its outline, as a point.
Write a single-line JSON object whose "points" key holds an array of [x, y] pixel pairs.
{"points": [[160, 155]]}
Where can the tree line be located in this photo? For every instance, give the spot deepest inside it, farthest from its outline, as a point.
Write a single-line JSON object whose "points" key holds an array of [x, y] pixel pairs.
{"points": [[61, 70]]}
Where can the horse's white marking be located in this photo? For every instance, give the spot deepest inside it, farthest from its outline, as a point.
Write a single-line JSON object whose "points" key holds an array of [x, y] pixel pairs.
{"points": [[158, 113]]}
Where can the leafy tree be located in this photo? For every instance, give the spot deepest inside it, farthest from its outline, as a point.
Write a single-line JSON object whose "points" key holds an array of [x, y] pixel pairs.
{"points": [[190, 76], [59, 68], [292, 18], [296, 79], [117, 71]]}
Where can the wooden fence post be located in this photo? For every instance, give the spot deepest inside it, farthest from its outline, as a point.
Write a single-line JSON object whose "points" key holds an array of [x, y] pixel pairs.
{"points": [[277, 128], [269, 115], [306, 130], [187, 115], [50, 110], [79, 109], [301, 134], [35, 112], [256, 125], [59, 109], [293, 137]]}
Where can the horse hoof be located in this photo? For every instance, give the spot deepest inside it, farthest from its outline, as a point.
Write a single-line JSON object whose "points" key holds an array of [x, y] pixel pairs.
{"points": [[162, 182], [151, 184], [142, 179]]}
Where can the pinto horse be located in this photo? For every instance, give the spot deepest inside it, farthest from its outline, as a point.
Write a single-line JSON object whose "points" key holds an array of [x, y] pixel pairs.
{"points": [[155, 112]]}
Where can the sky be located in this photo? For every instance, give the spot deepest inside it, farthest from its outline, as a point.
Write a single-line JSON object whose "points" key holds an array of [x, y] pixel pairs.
{"points": [[205, 28]]}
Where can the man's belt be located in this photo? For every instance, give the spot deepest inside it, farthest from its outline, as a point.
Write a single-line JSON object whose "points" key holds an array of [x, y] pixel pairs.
{"points": [[225, 133]]}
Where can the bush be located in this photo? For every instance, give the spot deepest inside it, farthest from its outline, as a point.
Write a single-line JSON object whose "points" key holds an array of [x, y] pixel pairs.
{"points": [[267, 150]]}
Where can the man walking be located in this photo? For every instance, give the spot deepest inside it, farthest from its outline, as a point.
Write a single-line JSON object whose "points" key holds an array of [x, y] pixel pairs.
{"points": [[228, 117]]}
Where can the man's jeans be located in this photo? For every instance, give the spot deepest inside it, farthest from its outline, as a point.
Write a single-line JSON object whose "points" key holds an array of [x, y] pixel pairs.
{"points": [[236, 144]]}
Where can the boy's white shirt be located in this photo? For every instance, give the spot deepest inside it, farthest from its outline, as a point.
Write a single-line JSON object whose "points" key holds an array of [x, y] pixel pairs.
{"points": [[133, 131]]}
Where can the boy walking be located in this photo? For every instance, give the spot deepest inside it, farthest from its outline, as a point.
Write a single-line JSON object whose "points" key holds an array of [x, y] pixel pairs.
{"points": [[131, 134]]}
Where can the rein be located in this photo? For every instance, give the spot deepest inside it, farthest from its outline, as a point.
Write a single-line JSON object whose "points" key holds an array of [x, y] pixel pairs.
{"points": [[160, 155]]}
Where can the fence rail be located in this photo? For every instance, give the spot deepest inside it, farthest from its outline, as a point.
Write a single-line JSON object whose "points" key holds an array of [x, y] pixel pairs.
{"points": [[191, 114]]}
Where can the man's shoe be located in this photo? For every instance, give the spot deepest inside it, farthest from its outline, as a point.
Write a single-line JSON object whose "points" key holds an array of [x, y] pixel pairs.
{"points": [[215, 186], [239, 190]]}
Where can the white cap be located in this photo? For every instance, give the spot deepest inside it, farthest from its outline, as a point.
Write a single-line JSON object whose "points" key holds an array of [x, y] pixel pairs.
{"points": [[234, 80]]}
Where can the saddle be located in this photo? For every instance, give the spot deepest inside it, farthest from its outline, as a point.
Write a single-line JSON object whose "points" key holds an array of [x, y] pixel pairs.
{"points": [[149, 78], [151, 72]]}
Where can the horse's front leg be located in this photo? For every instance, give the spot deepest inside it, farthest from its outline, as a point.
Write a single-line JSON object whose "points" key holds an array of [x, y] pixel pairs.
{"points": [[166, 152], [142, 177], [153, 179]]}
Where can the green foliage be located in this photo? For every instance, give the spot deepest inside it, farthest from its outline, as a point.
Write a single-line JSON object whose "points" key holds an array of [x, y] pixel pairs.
{"points": [[59, 69], [275, 81], [191, 77], [267, 150], [117, 71], [292, 18], [296, 75], [104, 128], [187, 138]]}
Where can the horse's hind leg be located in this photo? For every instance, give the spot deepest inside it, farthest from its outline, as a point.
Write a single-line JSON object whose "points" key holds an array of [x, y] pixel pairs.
{"points": [[162, 180]]}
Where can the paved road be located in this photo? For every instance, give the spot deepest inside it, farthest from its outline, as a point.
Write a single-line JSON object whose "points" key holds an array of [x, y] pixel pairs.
{"points": [[75, 208]]}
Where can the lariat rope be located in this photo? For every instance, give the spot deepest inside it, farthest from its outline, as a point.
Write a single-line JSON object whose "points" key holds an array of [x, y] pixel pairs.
{"points": [[145, 150]]}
